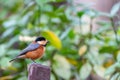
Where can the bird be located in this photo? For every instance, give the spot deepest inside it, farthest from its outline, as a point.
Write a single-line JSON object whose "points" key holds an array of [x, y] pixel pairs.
{"points": [[34, 50]]}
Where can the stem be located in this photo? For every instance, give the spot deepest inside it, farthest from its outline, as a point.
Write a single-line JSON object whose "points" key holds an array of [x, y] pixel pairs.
{"points": [[39, 12], [80, 23], [90, 33], [57, 78], [51, 62], [114, 30], [91, 27], [52, 56]]}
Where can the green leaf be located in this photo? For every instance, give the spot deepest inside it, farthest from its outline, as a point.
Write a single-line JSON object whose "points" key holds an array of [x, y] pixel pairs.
{"points": [[62, 67], [115, 9], [107, 49], [13, 52], [105, 24], [3, 14], [104, 14], [91, 13], [12, 41], [4, 62], [8, 32], [80, 13], [52, 77], [22, 78], [42, 2], [10, 23], [111, 69], [85, 71], [54, 40], [115, 76], [118, 77], [67, 33], [99, 70], [118, 57], [71, 34], [2, 50], [29, 26], [118, 31]]}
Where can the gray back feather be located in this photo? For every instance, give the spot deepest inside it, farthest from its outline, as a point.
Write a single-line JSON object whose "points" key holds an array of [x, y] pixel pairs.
{"points": [[30, 47]]}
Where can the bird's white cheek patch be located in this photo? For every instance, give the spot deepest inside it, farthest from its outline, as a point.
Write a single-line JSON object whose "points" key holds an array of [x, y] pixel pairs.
{"points": [[40, 42]]}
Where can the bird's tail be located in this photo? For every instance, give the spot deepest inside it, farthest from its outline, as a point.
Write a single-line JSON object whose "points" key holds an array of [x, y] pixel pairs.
{"points": [[13, 59]]}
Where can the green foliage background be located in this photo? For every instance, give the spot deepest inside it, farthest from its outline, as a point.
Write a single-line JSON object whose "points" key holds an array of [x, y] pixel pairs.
{"points": [[72, 54]]}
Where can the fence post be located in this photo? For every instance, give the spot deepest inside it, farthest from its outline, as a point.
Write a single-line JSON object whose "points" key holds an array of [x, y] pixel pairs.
{"points": [[38, 72]]}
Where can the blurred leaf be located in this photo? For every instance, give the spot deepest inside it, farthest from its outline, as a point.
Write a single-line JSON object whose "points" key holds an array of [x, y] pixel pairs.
{"points": [[22, 78], [80, 13], [99, 70], [108, 63], [6, 77], [106, 25], [30, 26], [3, 14], [85, 71], [47, 8], [8, 32], [91, 13], [42, 2], [69, 52], [118, 77], [2, 50], [4, 62], [104, 14], [111, 69], [86, 5], [115, 76], [71, 34], [109, 49], [62, 67], [115, 9], [13, 52], [118, 56], [60, 10], [55, 20], [72, 61], [68, 32], [10, 23], [52, 77], [12, 68], [94, 57], [82, 50], [24, 20], [12, 41], [54, 40], [118, 31]]}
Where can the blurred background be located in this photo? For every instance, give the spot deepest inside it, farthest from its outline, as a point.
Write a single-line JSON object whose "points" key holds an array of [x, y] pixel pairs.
{"points": [[84, 37]]}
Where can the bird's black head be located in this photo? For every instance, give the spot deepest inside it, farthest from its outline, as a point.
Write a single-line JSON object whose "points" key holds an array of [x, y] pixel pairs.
{"points": [[40, 39]]}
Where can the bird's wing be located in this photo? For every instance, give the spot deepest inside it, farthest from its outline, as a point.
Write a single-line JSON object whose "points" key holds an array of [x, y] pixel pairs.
{"points": [[30, 47]]}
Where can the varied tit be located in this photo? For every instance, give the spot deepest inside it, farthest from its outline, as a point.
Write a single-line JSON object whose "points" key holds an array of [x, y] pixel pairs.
{"points": [[34, 50]]}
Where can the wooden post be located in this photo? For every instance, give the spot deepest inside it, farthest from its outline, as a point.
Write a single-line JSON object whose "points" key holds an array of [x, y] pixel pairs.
{"points": [[38, 72]]}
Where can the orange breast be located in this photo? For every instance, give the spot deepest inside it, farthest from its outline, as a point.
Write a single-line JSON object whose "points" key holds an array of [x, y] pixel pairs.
{"points": [[38, 53]]}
